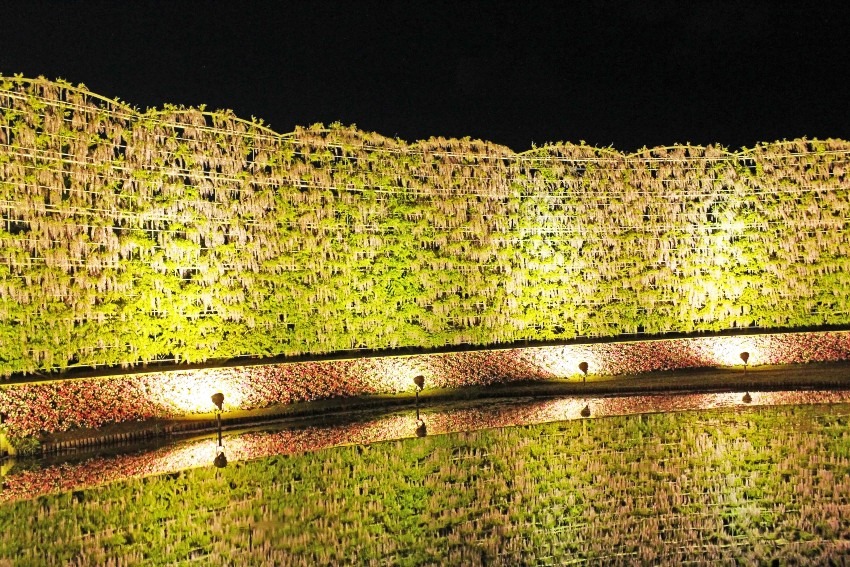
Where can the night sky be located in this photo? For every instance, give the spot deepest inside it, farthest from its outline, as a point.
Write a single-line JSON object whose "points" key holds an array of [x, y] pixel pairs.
{"points": [[515, 73]]}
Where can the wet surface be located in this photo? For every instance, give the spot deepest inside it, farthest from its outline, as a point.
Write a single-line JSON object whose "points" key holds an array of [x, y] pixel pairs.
{"points": [[81, 469]]}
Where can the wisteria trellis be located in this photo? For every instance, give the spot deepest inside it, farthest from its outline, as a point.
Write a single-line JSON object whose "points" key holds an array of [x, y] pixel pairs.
{"points": [[181, 234]]}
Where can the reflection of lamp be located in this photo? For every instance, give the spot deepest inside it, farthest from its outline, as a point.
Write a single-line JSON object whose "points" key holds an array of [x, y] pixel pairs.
{"points": [[421, 430], [420, 384], [745, 356], [586, 411], [220, 460], [583, 367], [747, 398]]}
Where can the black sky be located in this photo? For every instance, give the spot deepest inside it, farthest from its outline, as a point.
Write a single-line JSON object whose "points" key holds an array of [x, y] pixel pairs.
{"points": [[516, 73]]}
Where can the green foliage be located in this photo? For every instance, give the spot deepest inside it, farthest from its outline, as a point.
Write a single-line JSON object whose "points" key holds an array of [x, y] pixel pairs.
{"points": [[25, 446], [186, 234]]}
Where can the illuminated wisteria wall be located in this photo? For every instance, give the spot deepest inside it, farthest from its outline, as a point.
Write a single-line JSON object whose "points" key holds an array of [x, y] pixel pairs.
{"points": [[181, 234]]}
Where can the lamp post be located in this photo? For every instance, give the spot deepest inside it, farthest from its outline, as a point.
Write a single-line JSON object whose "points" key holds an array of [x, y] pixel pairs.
{"points": [[220, 460], [745, 356], [583, 367]]}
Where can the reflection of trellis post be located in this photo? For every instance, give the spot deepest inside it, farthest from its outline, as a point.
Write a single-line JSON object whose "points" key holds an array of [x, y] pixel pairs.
{"points": [[6, 465]]}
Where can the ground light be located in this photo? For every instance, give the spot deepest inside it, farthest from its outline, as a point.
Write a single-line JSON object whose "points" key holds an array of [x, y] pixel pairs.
{"points": [[745, 356], [747, 398], [220, 460], [218, 400], [583, 367]]}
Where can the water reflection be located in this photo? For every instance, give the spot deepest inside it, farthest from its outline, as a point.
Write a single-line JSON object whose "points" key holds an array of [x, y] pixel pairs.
{"points": [[481, 414], [421, 428]]}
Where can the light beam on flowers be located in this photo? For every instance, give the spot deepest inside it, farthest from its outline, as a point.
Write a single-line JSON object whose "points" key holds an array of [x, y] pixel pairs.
{"points": [[189, 392], [394, 374], [565, 361], [726, 351]]}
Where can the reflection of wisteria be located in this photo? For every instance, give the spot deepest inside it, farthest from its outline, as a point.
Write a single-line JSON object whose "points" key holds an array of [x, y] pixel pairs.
{"points": [[255, 445]]}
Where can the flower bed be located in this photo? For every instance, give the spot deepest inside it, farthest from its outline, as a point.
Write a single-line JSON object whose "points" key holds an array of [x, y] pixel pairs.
{"points": [[33, 409]]}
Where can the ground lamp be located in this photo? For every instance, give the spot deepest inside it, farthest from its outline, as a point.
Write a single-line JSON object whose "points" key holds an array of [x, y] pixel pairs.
{"points": [[585, 412], [747, 398], [220, 460], [745, 356], [583, 367]]}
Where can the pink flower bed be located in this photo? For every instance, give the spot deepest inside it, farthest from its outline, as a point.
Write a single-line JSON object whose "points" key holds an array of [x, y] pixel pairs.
{"points": [[33, 409], [27, 484]]}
